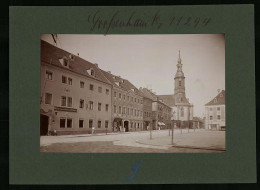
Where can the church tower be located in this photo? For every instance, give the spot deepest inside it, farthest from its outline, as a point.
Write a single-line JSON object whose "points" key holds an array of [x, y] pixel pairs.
{"points": [[179, 79]]}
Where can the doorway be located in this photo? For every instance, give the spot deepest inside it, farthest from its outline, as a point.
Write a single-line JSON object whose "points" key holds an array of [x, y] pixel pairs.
{"points": [[126, 126], [44, 125]]}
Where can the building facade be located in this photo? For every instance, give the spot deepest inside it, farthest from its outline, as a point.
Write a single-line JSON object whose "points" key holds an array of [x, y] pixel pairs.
{"points": [[161, 112], [215, 112], [147, 112], [182, 110], [127, 104], [75, 96]]}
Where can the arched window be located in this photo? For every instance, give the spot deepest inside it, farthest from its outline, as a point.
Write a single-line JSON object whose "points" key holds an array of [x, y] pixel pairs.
{"points": [[182, 112]]}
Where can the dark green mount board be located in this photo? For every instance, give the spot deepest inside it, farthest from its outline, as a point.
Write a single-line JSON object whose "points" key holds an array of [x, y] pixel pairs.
{"points": [[29, 166]]}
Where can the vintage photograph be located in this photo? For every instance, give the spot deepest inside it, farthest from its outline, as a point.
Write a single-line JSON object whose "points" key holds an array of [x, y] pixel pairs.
{"points": [[138, 93]]}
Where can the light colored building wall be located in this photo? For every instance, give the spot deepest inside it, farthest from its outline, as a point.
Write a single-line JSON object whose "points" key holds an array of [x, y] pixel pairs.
{"points": [[215, 119], [58, 89]]}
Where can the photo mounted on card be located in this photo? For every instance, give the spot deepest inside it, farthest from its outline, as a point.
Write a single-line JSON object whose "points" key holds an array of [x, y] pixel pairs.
{"points": [[125, 93]]}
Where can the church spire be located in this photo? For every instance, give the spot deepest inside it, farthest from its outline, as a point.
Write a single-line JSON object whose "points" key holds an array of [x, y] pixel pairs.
{"points": [[179, 60]]}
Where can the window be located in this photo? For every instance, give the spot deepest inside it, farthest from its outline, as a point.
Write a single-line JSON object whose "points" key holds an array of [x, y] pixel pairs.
{"points": [[81, 103], [179, 83], [49, 75], [138, 125], [100, 89], [91, 87], [114, 109], [218, 116], [91, 105], [70, 81], [123, 110], [63, 101], [92, 72], [135, 112], [99, 106], [132, 111], [132, 99], [119, 95], [106, 124], [90, 123], [127, 98], [127, 111], [107, 91], [218, 108], [138, 101], [211, 117], [69, 123], [107, 107], [65, 62], [81, 123], [48, 98], [124, 97], [141, 113], [135, 99], [99, 124], [119, 110], [81, 84], [182, 112], [69, 102], [141, 101], [64, 79], [114, 94], [62, 123]]}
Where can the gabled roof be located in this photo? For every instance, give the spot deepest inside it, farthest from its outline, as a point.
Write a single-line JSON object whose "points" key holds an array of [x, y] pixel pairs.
{"points": [[169, 99], [51, 54], [220, 99], [120, 82]]}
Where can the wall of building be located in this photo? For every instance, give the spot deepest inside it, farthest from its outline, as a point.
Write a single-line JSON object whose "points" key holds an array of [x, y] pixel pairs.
{"points": [[58, 89], [215, 122]]}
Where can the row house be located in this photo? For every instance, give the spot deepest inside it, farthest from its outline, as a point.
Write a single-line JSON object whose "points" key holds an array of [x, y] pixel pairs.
{"points": [[161, 112], [215, 112], [75, 95], [127, 104]]}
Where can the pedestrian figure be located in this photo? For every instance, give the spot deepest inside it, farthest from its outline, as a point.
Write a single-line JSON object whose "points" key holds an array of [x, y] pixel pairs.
{"points": [[93, 130]]}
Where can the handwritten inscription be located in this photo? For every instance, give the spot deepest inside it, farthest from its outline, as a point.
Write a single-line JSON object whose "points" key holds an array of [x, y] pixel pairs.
{"points": [[134, 20], [135, 167]]}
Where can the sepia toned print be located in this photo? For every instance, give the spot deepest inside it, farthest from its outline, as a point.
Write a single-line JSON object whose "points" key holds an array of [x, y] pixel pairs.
{"points": [[132, 93]]}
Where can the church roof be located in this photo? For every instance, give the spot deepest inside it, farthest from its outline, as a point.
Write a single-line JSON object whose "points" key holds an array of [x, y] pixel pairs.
{"points": [[220, 99], [53, 55]]}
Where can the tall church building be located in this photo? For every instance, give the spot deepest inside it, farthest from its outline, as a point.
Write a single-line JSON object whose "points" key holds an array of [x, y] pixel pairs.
{"points": [[182, 110]]}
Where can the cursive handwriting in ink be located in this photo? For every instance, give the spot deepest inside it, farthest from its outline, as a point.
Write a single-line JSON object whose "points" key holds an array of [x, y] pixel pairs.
{"points": [[135, 168]]}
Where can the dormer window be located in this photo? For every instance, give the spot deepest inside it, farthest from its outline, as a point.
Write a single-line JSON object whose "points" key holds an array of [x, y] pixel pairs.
{"points": [[91, 72], [117, 83], [71, 57], [133, 89], [64, 62], [215, 100]]}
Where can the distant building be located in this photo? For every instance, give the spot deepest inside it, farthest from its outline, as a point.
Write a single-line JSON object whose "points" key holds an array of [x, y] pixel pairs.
{"points": [[127, 104], [182, 110], [198, 123], [75, 95], [147, 112], [161, 112], [215, 112]]}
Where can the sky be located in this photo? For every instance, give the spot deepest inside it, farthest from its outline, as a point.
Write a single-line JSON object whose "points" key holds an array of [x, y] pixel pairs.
{"points": [[150, 60]]}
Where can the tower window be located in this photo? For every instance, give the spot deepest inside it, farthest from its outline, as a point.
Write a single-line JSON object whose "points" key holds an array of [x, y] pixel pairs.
{"points": [[179, 83]]}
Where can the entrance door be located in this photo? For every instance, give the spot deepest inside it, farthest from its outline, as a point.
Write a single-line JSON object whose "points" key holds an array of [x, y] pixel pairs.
{"points": [[126, 125], [44, 125]]}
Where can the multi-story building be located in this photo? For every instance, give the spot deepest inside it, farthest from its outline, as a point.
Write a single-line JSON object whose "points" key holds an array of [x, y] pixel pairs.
{"points": [[75, 95], [127, 104], [215, 112], [161, 112], [147, 112], [182, 110]]}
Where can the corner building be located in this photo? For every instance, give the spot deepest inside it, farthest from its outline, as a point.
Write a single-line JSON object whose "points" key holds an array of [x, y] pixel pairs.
{"points": [[75, 95]]}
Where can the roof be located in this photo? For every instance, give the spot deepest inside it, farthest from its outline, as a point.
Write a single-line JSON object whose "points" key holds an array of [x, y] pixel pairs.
{"points": [[51, 54], [220, 99], [120, 82], [198, 119], [169, 99]]}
